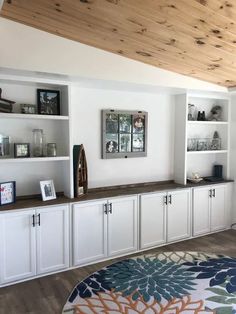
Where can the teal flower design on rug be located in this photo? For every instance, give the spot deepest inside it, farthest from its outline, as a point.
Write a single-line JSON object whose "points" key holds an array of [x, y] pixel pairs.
{"points": [[153, 283], [149, 278]]}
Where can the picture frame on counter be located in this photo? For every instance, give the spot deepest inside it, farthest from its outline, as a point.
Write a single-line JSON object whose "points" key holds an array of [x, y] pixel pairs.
{"points": [[47, 190], [7, 193], [21, 150]]}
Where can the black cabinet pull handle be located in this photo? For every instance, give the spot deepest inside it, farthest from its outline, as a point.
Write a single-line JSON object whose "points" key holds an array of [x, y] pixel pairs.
{"points": [[33, 218], [165, 200], [214, 193], [210, 193], [105, 210], [39, 220], [110, 210], [170, 199]]}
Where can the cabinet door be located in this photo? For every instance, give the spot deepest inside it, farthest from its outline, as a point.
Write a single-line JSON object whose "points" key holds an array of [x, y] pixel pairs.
{"points": [[218, 208], [52, 238], [152, 219], [122, 225], [89, 233], [178, 215], [17, 246], [201, 210]]}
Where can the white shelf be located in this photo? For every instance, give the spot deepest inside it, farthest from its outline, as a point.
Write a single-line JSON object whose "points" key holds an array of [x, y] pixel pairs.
{"points": [[32, 116], [208, 122], [34, 159], [207, 152]]}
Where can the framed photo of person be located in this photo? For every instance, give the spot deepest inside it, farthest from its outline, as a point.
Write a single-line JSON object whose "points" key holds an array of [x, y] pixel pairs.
{"points": [[47, 190], [124, 134], [48, 101], [7, 192]]}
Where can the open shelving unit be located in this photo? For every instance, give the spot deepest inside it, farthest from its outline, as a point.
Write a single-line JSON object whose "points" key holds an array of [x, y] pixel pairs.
{"points": [[31, 116], [28, 172], [34, 159], [202, 161]]}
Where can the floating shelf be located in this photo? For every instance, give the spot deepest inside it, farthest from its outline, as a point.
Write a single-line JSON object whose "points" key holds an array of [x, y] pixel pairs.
{"points": [[32, 116], [34, 159], [208, 122], [199, 152]]}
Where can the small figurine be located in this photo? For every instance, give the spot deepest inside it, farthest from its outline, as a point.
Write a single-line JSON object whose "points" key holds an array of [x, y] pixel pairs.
{"points": [[216, 113], [201, 116], [6, 105], [216, 141]]}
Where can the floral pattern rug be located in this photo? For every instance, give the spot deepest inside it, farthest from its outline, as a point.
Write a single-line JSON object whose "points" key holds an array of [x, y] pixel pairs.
{"points": [[172, 282]]}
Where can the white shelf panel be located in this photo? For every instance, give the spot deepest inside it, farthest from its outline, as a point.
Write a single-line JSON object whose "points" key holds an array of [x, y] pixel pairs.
{"points": [[34, 159], [208, 122], [32, 116], [207, 152]]}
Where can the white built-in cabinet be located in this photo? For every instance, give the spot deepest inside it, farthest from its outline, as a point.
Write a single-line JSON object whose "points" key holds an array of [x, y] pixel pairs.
{"points": [[209, 209], [27, 172], [152, 219], [17, 246], [89, 232], [160, 220], [188, 160], [178, 215], [33, 242], [104, 228]]}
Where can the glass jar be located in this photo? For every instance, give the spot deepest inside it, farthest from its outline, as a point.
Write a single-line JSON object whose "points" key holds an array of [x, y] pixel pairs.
{"points": [[38, 143], [191, 112], [4, 146], [51, 150]]}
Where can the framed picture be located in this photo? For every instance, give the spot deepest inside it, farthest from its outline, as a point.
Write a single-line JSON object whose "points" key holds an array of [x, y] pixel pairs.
{"points": [[124, 134], [21, 150], [48, 101], [47, 190], [7, 192]]}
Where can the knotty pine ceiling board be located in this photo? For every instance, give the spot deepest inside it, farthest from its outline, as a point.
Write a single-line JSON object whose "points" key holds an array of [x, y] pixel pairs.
{"points": [[191, 37]]}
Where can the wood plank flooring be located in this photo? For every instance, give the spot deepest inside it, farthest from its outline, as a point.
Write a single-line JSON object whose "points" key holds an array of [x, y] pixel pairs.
{"points": [[48, 295]]}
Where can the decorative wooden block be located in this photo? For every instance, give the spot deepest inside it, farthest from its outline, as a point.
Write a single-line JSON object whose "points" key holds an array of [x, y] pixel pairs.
{"points": [[80, 171]]}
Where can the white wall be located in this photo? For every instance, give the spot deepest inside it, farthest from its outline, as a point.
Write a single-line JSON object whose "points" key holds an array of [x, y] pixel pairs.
{"points": [[26, 48], [233, 151], [86, 111]]}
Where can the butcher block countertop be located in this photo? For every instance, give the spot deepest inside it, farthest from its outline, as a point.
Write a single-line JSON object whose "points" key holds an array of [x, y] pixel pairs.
{"points": [[106, 192]]}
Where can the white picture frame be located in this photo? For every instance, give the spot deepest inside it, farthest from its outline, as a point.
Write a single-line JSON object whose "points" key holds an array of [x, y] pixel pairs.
{"points": [[47, 190]]}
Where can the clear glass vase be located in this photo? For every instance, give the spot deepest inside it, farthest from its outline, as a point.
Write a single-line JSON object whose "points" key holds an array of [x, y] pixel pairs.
{"points": [[38, 143]]}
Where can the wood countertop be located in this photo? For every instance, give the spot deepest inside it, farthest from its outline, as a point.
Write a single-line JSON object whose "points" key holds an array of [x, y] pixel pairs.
{"points": [[107, 192]]}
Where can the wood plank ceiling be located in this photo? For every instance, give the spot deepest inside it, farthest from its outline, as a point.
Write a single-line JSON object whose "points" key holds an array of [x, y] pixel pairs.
{"points": [[192, 37]]}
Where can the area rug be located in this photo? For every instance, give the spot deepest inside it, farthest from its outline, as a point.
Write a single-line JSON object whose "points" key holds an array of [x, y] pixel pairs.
{"points": [[172, 282]]}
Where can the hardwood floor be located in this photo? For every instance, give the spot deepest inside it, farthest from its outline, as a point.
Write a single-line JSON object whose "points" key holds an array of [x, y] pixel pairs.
{"points": [[48, 295]]}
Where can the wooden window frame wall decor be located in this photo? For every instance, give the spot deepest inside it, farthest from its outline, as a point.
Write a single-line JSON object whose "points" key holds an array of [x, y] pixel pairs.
{"points": [[134, 125]]}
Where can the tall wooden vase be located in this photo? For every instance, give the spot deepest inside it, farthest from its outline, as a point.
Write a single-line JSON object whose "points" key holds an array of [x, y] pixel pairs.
{"points": [[80, 171]]}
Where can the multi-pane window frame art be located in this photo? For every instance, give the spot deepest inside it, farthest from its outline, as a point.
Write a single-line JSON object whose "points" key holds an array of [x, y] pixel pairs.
{"points": [[124, 134]]}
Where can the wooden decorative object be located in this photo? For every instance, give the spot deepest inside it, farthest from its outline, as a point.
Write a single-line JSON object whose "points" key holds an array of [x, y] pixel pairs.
{"points": [[80, 171], [5, 104]]}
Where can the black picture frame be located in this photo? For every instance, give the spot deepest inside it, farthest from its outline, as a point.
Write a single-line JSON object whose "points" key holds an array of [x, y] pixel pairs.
{"points": [[16, 150], [10, 197], [48, 102]]}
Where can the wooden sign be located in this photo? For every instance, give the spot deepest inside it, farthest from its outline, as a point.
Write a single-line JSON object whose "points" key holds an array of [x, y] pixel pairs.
{"points": [[80, 171]]}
